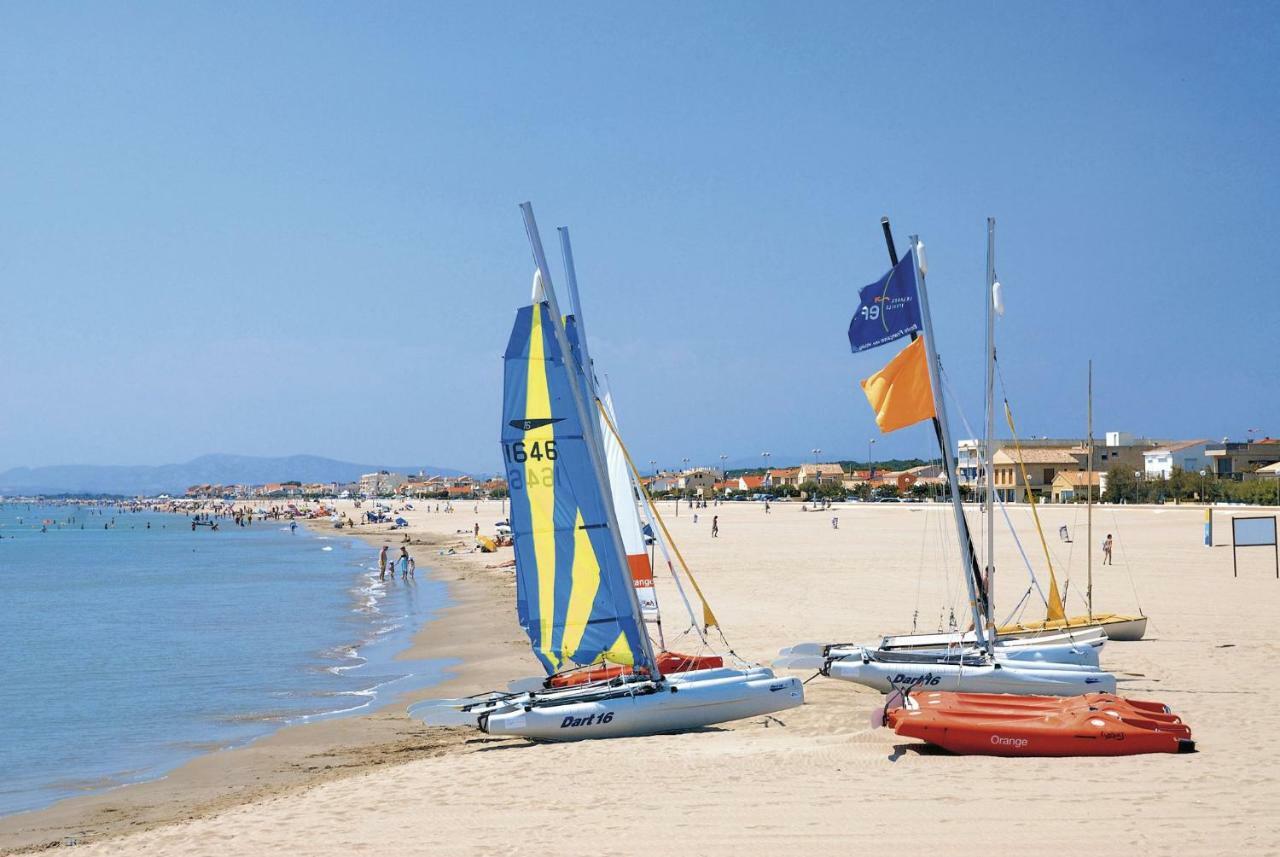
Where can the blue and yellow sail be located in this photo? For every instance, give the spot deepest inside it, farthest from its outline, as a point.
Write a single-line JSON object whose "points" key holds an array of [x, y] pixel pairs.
{"points": [[572, 587]]}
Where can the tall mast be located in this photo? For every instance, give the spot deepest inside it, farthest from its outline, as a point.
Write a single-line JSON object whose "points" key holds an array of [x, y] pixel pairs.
{"points": [[991, 421], [593, 391], [972, 580], [977, 592], [590, 429], [1088, 591], [575, 307]]}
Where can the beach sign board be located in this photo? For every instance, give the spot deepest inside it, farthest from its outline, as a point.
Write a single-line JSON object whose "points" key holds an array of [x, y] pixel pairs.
{"points": [[1254, 531]]}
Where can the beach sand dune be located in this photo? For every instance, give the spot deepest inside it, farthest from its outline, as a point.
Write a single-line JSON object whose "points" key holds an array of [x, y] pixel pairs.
{"points": [[820, 779]]}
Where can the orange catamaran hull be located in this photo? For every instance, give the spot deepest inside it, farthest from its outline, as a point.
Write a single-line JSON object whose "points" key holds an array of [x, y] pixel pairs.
{"points": [[668, 662], [999, 725]]}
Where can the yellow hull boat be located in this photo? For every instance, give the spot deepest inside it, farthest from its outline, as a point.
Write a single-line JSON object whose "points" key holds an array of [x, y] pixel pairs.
{"points": [[1115, 626]]}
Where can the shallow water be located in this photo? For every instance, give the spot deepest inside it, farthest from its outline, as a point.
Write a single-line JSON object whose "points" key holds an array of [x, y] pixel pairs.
{"points": [[128, 650]]}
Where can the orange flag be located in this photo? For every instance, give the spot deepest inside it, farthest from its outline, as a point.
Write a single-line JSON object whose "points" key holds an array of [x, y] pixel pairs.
{"points": [[900, 393]]}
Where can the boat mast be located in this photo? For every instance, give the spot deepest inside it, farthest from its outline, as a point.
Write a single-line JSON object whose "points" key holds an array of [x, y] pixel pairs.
{"points": [[590, 429], [575, 306], [977, 593], [1088, 591], [991, 422], [972, 580]]}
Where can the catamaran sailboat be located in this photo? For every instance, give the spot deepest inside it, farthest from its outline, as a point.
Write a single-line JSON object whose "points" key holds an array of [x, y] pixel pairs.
{"points": [[1115, 626], [908, 390], [581, 596]]}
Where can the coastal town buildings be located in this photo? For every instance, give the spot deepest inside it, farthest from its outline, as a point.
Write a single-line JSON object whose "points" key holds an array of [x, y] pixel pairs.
{"points": [[1187, 455], [1235, 460], [381, 483], [1055, 471], [1071, 485], [1033, 469], [820, 474], [780, 476], [1045, 457]]}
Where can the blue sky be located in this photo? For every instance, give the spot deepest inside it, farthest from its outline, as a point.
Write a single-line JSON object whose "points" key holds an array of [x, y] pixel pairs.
{"points": [[269, 229]]}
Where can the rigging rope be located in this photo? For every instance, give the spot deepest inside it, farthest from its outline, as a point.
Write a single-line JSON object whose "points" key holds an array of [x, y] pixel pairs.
{"points": [[1055, 600], [708, 617], [1004, 510], [1115, 524]]}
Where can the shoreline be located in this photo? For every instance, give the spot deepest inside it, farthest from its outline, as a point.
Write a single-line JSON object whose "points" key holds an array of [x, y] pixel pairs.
{"points": [[298, 756], [751, 787]]}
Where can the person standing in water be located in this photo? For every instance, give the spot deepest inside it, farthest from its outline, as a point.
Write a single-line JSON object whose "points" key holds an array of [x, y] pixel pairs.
{"points": [[404, 561], [382, 563]]}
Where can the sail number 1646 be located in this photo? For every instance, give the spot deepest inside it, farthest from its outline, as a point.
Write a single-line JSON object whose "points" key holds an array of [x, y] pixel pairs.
{"points": [[538, 451]]}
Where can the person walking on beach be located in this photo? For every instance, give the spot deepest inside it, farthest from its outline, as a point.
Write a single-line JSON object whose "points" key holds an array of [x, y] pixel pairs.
{"points": [[1106, 550], [715, 526], [835, 522], [382, 563]]}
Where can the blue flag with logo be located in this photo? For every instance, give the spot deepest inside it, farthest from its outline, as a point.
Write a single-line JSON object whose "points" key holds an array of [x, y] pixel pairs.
{"points": [[888, 309]]}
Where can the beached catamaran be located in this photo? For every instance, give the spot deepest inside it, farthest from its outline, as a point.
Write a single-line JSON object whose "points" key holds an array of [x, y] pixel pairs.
{"points": [[1057, 638], [577, 591], [907, 391]]}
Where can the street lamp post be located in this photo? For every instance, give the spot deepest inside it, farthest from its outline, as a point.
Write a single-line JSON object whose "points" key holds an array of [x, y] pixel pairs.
{"points": [[871, 468], [724, 477]]}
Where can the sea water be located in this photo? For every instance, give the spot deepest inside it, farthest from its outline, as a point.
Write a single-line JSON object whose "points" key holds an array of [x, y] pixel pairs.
{"points": [[131, 642]]}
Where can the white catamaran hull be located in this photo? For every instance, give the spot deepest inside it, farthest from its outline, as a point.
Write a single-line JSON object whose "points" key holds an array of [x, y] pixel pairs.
{"points": [[814, 655], [1008, 677], [1047, 656], [1089, 636], [647, 708], [1031, 655]]}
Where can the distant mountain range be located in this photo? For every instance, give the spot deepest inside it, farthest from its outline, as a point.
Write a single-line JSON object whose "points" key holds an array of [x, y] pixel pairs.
{"points": [[175, 478]]}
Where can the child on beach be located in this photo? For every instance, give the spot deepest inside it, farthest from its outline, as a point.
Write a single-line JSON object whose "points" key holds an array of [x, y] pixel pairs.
{"points": [[411, 566], [1106, 550]]}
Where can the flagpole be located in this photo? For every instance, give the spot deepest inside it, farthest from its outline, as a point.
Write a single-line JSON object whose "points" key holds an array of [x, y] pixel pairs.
{"points": [[962, 525], [972, 581], [591, 433]]}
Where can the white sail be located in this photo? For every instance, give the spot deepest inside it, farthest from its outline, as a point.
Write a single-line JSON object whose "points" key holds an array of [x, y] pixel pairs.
{"points": [[624, 506]]}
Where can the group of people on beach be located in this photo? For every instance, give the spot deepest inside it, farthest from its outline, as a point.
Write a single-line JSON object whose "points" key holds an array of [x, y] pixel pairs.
{"points": [[404, 562]]}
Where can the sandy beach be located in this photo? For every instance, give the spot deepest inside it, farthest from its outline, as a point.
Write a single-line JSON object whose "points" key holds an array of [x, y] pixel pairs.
{"points": [[818, 780]]}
